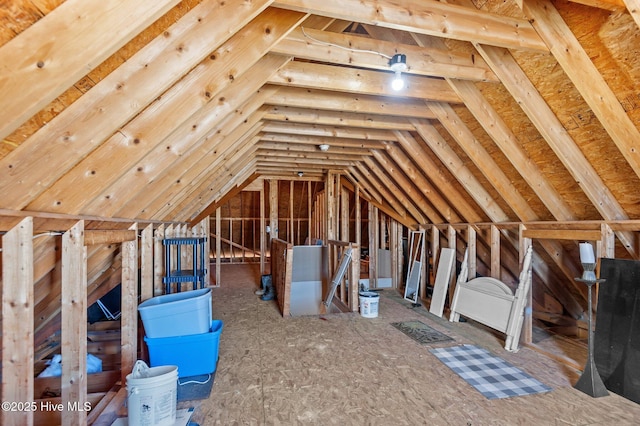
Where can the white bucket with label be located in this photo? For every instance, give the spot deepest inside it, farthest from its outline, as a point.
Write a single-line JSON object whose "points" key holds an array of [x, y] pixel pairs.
{"points": [[369, 301], [152, 394]]}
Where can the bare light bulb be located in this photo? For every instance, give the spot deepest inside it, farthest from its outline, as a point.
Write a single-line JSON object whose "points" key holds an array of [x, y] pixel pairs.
{"points": [[398, 82], [398, 64]]}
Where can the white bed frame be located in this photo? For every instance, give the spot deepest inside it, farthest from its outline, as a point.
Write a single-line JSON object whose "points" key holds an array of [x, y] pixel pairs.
{"points": [[491, 302]]}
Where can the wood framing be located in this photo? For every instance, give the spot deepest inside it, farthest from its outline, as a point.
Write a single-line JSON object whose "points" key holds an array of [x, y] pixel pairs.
{"points": [[17, 320]]}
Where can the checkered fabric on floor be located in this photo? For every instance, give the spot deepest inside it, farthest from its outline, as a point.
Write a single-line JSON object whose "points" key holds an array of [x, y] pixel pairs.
{"points": [[491, 376], [421, 332]]}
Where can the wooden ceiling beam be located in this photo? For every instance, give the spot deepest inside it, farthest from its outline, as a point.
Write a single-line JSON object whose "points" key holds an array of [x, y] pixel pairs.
{"points": [[467, 211], [554, 133], [352, 80], [511, 147], [633, 7], [215, 185], [42, 62], [336, 118], [319, 140], [211, 208], [456, 166], [190, 142], [357, 51], [408, 188], [390, 182], [415, 172], [348, 102], [148, 130], [431, 18], [111, 103], [320, 157], [278, 148], [370, 179], [211, 150], [328, 131], [578, 66]]}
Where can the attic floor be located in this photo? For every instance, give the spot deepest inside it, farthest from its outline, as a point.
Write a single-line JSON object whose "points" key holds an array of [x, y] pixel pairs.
{"points": [[346, 369]]}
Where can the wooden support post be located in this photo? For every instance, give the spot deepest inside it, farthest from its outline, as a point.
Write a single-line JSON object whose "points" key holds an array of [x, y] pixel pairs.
{"points": [[495, 252], [129, 307], [435, 249], [358, 220], [344, 214], [17, 321], [373, 246], [331, 200], [292, 238], [263, 235], [354, 279], [472, 251], [146, 264], [218, 246], [204, 230], [608, 240], [527, 324], [452, 239], [309, 210], [395, 252], [74, 325], [273, 208], [158, 262]]}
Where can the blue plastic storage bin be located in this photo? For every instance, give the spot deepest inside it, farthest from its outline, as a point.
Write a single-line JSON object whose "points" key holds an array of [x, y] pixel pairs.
{"points": [[177, 314], [194, 355]]}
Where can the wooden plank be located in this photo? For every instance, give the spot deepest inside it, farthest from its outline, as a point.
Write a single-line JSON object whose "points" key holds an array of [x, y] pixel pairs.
{"points": [[472, 247], [363, 52], [567, 234], [78, 129], [114, 158], [158, 261], [17, 322], [443, 278], [74, 324], [273, 209], [219, 143], [431, 18], [495, 252], [468, 212], [578, 66], [532, 103], [527, 324], [511, 147], [129, 306], [92, 237], [341, 79], [457, 167], [633, 6], [422, 209], [337, 101], [263, 223], [442, 211], [37, 67], [146, 263]]}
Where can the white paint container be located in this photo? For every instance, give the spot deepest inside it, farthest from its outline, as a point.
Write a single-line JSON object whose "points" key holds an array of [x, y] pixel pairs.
{"points": [[369, 301], [152, 395]]}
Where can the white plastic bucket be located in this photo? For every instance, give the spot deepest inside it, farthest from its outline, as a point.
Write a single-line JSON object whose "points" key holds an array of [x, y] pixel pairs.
{"points": [[152, 395], [369, 301]]}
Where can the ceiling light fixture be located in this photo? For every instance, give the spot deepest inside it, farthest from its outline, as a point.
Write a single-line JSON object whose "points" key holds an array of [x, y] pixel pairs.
{"points": [[300, 174], [398, 64], [324, 147]]}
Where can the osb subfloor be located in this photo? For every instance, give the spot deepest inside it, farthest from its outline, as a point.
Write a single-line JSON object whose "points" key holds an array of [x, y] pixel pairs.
{"points": [[345, 369]]}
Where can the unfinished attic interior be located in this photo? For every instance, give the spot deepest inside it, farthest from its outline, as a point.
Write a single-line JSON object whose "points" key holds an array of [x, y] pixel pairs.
{"points": [[259, 127]]}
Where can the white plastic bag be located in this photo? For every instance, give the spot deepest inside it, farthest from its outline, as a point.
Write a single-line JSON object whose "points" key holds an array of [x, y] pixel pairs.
{"points": [[54, 366]]}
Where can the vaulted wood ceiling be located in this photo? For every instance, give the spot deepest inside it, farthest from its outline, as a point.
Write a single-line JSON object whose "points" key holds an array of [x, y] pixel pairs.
{"points": [[512, 111]]}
